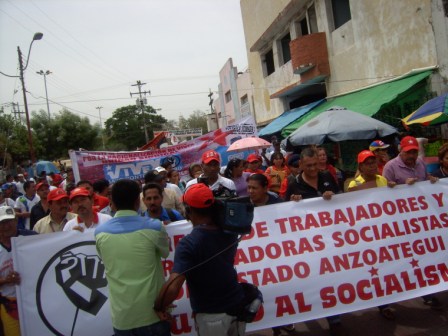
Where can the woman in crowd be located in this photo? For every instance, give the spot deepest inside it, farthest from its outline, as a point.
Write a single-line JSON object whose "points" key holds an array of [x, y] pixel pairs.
{"points": [[368, 178], [174, 178], [294, 170], [254, 164], [257, 188], [235, 172], [323, 164], [442, 172], [195, 170], [276, 172]]}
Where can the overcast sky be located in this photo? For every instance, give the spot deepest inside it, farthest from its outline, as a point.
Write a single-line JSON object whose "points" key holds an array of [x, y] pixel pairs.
{"points": [[96, 49]]}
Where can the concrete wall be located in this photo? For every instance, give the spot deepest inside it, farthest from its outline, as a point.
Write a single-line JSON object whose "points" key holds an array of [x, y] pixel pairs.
{"points": [[239, 84], [227, 76], [383, 39], [257, 17]]}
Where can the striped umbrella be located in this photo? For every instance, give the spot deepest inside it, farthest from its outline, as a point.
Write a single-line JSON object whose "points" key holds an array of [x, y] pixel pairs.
{"points": [[433, 112]]}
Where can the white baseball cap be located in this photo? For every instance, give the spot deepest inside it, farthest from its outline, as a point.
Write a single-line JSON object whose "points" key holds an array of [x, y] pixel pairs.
{"points": [[160, 169], [6, 212]]}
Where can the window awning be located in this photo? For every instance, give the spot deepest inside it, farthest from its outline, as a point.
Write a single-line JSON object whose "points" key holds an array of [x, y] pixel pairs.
{"points": [[366, 101], [299, 86], [288, 117]]}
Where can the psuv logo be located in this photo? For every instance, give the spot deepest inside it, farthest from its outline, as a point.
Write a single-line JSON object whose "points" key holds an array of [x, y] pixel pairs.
{"points": [[128, 170], [81, 291]]}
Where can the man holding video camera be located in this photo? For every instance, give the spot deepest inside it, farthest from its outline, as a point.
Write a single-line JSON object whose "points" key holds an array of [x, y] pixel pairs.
{"points": [[204, 258], [211, 164]]}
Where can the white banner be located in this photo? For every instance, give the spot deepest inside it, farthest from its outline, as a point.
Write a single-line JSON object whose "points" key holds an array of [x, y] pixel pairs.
{"points": [[310, 259], [114, 166]]}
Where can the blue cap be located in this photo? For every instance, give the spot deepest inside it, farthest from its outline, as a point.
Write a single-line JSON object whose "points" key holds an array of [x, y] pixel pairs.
{"points": [[6, 186]]}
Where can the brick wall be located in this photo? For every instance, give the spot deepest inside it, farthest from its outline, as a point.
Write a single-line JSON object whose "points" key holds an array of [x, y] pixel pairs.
{"points": [[312, 49]]}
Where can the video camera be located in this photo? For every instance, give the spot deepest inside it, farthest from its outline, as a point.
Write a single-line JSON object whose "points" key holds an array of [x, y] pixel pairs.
{"points": [[234, 214]]}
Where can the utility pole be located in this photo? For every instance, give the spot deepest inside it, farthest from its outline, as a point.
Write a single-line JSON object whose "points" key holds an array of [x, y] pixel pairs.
{"points": [[101, 126], [45, 74], [141, 102], [28, 125], [16, 111]]}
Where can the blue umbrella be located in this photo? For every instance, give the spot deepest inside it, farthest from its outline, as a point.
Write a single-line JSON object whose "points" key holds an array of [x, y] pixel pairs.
{"points": [[46, 166]]}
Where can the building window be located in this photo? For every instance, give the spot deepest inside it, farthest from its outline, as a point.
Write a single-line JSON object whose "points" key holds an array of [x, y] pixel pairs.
{"points": [[244, 100], [341, 12], [268, 63], [228, 96], [308, 24], [312, 19], [286, 52]]}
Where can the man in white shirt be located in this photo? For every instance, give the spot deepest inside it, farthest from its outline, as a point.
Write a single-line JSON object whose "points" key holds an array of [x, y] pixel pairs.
{"points": [[211, 163], [82, 204], [5, 201], [19, 184], [24, 204], [170, 198]]}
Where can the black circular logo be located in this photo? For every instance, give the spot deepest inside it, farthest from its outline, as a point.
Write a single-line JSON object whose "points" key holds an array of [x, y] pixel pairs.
{"points": [[73, 283]]}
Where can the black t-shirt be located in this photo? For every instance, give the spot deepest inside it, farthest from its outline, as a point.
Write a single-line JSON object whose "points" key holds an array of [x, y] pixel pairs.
{"points": [[325, 182], [37, 212], [439, 173], [213, 286]]}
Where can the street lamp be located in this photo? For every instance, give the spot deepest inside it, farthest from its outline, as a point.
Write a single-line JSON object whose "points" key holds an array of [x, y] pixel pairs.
{"points": [[45, 74], [37, 36]]}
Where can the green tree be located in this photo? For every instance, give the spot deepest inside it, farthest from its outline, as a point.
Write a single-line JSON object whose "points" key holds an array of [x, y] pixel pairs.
{"points": [[125, 131], [197, 119], [13, 140], [63, 132]]}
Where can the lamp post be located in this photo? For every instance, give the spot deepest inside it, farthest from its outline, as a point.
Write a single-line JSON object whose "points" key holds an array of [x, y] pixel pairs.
{"points": [[45, 74], [37, 36]]}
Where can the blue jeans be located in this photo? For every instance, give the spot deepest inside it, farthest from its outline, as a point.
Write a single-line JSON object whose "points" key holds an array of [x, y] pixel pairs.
{"points": [[161, 328]]}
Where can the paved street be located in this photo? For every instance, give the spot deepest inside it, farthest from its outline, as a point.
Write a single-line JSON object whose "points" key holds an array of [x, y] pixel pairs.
{"points": [[413, 318]]}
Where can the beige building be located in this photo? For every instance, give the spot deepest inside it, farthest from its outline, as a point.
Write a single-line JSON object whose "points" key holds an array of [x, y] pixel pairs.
{"points": [[300, 50], [234, 100]]}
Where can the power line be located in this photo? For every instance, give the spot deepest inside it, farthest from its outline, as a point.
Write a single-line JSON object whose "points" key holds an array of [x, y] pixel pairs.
{"points": [[78, 41], [66, 107], [94, 67], [8, 75]]}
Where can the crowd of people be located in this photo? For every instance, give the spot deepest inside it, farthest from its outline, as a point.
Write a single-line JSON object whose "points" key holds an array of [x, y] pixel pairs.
{"points": [[129, 221]]}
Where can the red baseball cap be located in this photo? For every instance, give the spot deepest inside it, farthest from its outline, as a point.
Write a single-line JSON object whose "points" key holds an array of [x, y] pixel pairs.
{"points": [[198, 196], [79, 192], [408, 143], [41, 184], [252, 158], [56, 194], [57, 179], [209, 156], [365, 154]]}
